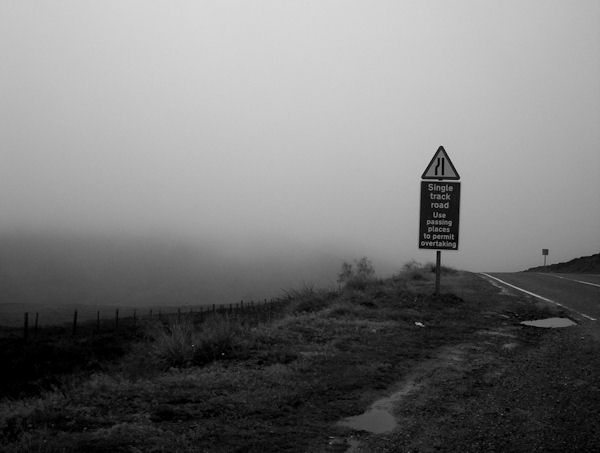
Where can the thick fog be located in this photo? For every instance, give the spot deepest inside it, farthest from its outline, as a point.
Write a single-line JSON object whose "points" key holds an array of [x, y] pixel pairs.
{"points": [[298, 131]]}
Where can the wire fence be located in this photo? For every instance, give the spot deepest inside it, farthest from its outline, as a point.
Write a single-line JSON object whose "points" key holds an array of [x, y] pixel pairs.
{"points": [[119, 319]]}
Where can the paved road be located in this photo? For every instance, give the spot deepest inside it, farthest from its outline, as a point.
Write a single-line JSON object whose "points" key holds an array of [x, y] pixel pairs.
{"points": [[580, 293]]}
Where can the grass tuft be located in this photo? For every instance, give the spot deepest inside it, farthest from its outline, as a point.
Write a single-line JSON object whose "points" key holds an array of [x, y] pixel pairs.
{"points": [[181, 344], [219, 337], [173, 345]]}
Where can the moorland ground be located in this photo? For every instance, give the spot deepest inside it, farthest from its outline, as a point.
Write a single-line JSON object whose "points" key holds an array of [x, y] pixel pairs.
{"points": [[478, 379]]}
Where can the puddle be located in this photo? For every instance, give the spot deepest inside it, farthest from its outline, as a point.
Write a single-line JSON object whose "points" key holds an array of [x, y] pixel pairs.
{"points": [[379, 418], [550, 323], [375, 420]]}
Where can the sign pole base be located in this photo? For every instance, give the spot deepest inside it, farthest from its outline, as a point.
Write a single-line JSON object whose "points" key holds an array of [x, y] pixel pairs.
{"points": [[438, 271]]}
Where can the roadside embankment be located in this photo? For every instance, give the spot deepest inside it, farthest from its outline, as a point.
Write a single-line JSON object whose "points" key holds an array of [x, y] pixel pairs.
{"points": [[460, 371]]}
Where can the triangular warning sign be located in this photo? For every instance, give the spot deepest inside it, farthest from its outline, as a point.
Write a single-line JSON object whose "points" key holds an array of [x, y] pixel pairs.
{"points": [[440, 167]]}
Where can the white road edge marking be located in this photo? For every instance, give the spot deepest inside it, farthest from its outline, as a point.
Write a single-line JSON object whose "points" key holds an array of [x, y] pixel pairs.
{"points": [[570, 279], [538, 296]]}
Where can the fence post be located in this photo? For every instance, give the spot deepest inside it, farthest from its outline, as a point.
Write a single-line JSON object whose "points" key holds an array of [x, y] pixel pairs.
{"points": [[98, 321], [74, 323], [26, 326], [35, 329], [179, 315], [117, 319]]}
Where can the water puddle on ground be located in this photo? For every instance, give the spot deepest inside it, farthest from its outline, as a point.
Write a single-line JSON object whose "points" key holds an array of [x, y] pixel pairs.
{"points": [[375, 420], [550, 323], [379, 418]]}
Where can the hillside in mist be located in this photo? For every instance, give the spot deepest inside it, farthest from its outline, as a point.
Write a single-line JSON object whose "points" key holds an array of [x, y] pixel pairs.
{"points": [[584, 265], [61, 268]]}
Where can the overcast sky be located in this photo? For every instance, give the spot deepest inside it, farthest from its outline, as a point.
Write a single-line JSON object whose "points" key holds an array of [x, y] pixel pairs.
{"points": [[306, 120]]}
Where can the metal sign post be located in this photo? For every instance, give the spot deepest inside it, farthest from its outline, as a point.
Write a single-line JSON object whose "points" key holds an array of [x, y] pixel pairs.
{"points": [[438, 271], [440, 209], [545, 254]]}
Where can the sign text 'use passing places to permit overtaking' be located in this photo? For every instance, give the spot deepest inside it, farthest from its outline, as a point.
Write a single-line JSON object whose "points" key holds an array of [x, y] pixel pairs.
{"points": [[440, 202]]}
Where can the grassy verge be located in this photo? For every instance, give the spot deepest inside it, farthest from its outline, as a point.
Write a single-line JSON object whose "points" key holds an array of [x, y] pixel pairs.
{"points": [[278, 386]]}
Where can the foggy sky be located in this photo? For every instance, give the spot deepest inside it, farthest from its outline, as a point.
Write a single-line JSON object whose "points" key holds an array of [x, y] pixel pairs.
{"points": [[310, 121]]}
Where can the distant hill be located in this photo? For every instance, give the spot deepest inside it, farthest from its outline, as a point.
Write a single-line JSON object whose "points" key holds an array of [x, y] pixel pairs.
{"points": [[582, 265], [56, 269]]}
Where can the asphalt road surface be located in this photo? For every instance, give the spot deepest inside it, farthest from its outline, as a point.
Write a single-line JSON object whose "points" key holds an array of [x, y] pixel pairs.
{"points": [[579, 293]]}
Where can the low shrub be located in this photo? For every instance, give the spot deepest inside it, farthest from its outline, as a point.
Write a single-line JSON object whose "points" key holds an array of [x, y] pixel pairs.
{"points": [[357, 276]]}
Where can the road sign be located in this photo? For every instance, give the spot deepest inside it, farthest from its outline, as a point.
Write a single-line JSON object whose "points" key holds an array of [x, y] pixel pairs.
{"points": [[440, 167], [544, 252], [440, 212], [440, 209]]}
